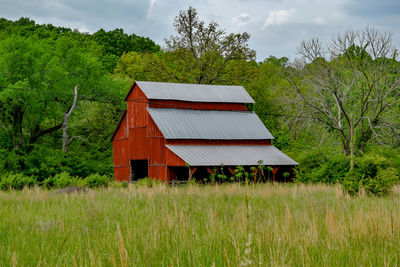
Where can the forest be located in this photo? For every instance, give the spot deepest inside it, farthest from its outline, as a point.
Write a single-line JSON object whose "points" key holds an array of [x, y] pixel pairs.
{"points": [[334, 108]]}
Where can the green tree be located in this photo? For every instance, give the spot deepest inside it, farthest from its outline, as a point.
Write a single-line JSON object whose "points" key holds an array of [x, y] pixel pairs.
{"points": [[203, 49]]}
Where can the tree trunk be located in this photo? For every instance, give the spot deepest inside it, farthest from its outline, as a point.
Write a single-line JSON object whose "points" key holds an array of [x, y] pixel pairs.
{"points": [[18, 138], [65, 140], [352, 145]]}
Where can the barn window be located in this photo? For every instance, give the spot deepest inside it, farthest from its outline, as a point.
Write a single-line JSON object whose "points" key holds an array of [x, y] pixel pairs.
{"points": [[139, 169]]}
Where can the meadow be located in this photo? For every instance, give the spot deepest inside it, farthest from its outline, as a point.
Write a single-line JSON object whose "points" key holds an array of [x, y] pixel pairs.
{"points": [[223, 225]]}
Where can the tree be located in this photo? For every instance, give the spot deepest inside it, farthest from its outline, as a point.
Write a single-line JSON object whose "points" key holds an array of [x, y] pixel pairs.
{"points": [[351, 86], [203, 49], [37, 79]]}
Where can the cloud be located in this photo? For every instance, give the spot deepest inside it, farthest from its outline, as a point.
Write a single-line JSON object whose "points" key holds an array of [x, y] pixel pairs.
{"points": [[278, 17], [152, 3], [319, 20], [241, 20]]}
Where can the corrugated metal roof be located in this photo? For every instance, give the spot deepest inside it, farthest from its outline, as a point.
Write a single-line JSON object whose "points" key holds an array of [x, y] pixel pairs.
{"points": [[231, 155], [209, 124], [195, 92]]}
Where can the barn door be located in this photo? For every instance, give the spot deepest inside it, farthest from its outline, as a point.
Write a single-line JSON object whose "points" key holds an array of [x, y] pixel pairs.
{"points": [[139, 169]]}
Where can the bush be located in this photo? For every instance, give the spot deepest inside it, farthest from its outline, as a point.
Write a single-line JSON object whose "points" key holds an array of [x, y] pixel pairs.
{"points": [[61, 180], [97, 180], [318, 168], [372, 174], [16, 182], [148, 182], [119, 184]]}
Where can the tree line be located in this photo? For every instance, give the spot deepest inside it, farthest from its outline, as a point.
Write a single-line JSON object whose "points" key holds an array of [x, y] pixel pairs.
{"points": [[334, 108]]}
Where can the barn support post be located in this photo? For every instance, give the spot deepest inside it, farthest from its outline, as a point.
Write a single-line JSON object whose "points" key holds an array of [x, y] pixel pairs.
{"points": [[191, 172], [231, 171], [255, 172], [274, 171]]}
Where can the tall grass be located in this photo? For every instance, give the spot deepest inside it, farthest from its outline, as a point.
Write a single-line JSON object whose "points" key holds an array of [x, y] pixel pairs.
{"points": [[230, 225]]}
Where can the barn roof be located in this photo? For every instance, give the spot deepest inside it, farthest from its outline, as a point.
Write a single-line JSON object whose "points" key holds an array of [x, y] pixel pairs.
{"points": [[231, 155], [194, 92], [209, 124]]}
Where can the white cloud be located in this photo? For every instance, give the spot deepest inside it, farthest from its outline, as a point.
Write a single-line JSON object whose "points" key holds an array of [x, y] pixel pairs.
{"points": [[152, 3], [319, 20], [242, 19], [278, 17]]}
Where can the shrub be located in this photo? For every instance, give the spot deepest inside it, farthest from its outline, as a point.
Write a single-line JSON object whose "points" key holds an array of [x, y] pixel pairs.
{"points": [[323, 170], [119, 184], [97, 180], [16, 181], [61, 180], [148, 182], [372, 174]]}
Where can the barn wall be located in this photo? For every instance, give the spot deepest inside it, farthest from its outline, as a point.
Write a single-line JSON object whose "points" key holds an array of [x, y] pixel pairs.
{"points": [[137, 123], [173, 160], [137, 103], [138, 143], [157, 151], [154, 103], [121, 152], [158, 173]]}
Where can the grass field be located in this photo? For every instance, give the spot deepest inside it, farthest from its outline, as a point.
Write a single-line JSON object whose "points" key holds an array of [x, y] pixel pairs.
{"points": [[232, 225]]}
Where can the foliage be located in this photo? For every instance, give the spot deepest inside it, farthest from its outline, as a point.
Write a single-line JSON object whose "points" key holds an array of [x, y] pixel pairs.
{"points": [[351, 87], [371, 174], [148, 182], [97, 180], [16, 181], [61, 180]]}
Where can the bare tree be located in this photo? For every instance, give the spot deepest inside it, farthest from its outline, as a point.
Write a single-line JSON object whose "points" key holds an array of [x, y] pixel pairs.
{"points": [[352, 86], [66, 141]]}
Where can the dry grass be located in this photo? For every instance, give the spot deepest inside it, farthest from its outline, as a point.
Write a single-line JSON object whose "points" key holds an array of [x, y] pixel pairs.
{"points": [[232, 225]]}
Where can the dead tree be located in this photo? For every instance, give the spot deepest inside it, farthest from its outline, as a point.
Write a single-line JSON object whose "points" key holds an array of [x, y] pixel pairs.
{"points": [[351, 86], [65, 141]]}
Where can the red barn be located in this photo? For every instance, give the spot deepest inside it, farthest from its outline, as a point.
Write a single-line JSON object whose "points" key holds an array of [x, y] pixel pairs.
{"points": [[168, 126]]}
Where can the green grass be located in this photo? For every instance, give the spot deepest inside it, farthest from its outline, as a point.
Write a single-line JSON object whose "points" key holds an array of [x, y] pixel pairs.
{"points": [[262, 225]]}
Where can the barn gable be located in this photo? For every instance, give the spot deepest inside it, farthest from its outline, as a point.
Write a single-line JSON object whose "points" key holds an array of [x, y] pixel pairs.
{"points": [[122, 130]]}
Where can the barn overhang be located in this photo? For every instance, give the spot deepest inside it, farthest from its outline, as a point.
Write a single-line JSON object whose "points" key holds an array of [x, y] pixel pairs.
{"points": [[231, 155]]}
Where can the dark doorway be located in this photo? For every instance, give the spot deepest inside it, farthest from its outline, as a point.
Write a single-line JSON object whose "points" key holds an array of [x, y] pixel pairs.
{"points": [[139, 169]]}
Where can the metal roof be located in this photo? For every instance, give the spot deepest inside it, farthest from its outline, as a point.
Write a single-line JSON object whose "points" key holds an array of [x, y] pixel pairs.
{"points": [[194, 92], [209, 124], [231, 155]]}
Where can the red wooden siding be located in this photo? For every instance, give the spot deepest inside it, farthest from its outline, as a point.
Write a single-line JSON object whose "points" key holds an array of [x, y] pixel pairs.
{"points": [[121, 152], [137, 103], [154, 103], [138, 143], [173, 160]]}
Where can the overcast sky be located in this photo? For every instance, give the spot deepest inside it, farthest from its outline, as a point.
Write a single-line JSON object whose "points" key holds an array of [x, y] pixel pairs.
{"points": [[276, 26]]}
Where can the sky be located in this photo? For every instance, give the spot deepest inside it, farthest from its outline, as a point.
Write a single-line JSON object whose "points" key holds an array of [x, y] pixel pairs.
{"points": [[277, 27]]}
